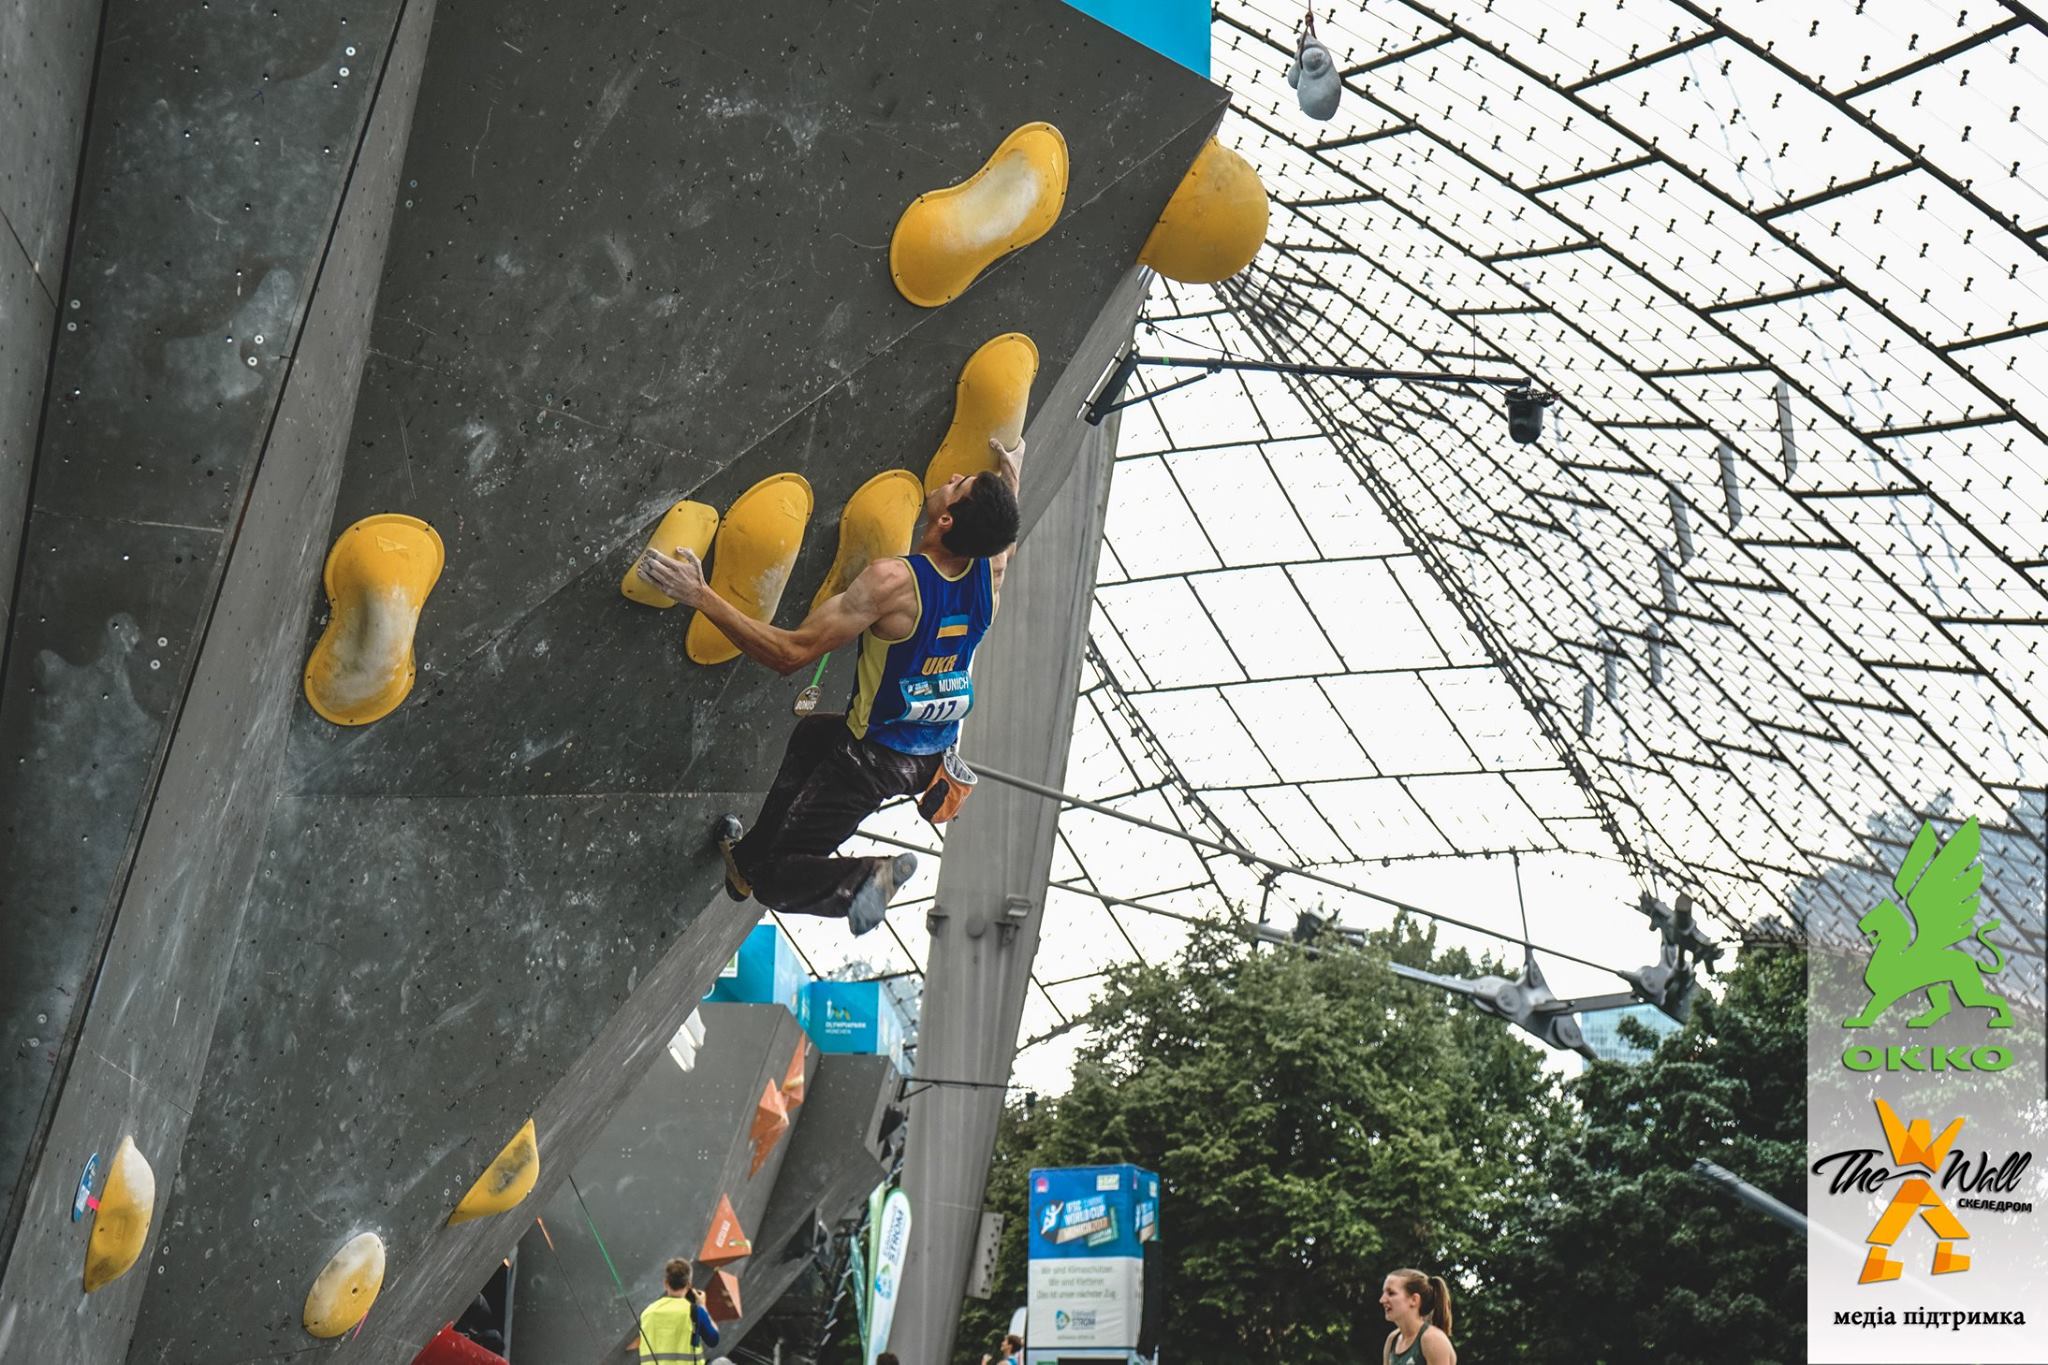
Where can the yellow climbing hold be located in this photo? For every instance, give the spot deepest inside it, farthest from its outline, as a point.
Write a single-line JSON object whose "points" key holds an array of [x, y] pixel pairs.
{"points": [[346, 1286], [946, 238], [1215, 222], [991, 399], [507, 1180], [756, 549], [121, 1226], [878, 522], [378, 576], [688, 526]]}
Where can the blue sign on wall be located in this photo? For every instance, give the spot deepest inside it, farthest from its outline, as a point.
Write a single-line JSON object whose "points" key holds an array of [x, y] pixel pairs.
{"points": [[1173, 28], [856, 1016], [763, 972]]}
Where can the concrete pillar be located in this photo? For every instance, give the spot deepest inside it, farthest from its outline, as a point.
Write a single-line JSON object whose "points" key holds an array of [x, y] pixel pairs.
{"points": [[982, 944]]}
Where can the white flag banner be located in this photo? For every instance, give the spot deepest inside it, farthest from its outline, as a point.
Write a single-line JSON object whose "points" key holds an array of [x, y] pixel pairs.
{"points": [[890, 1248]]}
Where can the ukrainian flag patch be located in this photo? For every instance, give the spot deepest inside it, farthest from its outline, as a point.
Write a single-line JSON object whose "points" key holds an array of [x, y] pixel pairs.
{"points": [[950, 626]]}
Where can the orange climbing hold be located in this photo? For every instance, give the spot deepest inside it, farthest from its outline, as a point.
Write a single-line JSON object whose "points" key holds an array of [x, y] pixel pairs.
{"points": [[755, 551], [687, 526], [771, 1121], [507, 1180], [726, 1241], [378, 576], [722, 1297], [947, 237], [990, 401], [793, 1079], [1214, 224], [878, 522], [120, 1227], [345, 1287]]}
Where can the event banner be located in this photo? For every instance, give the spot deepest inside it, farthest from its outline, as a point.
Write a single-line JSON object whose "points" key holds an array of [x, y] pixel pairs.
{"points": [[1089, 1226], [1925, 1115], [891, 1234]]}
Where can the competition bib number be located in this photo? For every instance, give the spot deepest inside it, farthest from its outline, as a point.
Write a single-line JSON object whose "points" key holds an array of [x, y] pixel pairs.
{"points": [[937, 701]]}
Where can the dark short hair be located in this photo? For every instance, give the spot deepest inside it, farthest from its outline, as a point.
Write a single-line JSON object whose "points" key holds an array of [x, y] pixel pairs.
{"points": [[677, 1273], [887, 1358], [985, 521]]}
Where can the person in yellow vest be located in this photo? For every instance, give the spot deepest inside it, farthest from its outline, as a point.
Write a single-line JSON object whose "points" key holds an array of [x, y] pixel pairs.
{"points": [[675, 1326]]}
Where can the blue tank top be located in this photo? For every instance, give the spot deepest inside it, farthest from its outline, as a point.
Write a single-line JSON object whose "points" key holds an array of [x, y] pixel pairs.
{"points": [[910, 694]]}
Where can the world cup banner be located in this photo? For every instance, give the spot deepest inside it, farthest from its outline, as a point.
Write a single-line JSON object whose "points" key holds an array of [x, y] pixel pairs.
{"points": [[1927, 1089], [1089, 1227]]}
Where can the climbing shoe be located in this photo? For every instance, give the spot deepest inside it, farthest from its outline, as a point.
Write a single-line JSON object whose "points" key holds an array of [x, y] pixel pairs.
{"points": [[871, 902], [728, 831]]}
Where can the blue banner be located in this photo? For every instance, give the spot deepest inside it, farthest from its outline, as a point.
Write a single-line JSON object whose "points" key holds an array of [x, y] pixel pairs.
{"points": [[1086, 1212], [1173, 28]]}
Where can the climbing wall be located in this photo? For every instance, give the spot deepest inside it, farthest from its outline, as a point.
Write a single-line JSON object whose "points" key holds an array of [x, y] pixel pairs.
{"points": [[673, 1174], [630, 255], [835, 1158], [181, 491]]}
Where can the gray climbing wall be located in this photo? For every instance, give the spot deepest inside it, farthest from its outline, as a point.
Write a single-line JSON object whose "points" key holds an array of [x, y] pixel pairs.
{"points": [[180, 499], [631, 262], [648, 1187], [835, 1160], [633, 255], [46, 56]]}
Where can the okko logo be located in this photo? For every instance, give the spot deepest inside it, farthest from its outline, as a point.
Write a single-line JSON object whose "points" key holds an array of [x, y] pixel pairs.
{"points": [[1940, 883]]}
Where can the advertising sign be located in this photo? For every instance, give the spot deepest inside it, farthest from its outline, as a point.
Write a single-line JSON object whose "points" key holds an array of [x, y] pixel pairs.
{"points": [[892, 1244], [1089, 1225], [765, 971], [856, 1016], [1924, 1120]]}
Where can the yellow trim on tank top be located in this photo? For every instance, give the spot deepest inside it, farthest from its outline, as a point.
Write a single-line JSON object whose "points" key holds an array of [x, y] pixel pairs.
{"points": [[950, 578], [873, 660]]}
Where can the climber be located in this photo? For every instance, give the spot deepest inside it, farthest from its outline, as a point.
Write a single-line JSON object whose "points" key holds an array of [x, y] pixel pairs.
{"points": [[918, 619]]}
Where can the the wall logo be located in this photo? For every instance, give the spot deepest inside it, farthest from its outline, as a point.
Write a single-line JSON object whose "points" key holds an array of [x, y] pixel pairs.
{"points": [[1940, 882], [1913, 1144]]}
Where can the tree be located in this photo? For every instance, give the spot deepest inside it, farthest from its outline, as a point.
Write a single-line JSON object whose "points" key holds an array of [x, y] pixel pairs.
{"points": [[1626, 1255], [1316, 1122]]}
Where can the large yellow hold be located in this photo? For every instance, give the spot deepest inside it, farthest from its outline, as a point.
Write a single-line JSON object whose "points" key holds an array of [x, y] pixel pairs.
{"points": [[946, 238], [756, 549], [378, 576], [878, 522], [991, 400], [1214, 224], [687, 526], [507, 1180], [346, 1286], [121, 1226]]}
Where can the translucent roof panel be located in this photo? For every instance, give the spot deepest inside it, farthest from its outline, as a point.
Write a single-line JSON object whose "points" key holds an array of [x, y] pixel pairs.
{"points": [[1772, 590]]}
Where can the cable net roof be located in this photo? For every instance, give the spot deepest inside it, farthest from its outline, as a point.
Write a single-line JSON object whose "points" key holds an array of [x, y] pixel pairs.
{"points": [[1769, 593]]}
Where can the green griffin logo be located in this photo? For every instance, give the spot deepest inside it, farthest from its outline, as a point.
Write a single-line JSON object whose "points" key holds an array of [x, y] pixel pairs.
{"points": [[1924, 953]]}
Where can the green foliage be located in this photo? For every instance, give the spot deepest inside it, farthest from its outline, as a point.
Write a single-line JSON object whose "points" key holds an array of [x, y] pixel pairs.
{"points": [[1627, 1256], [1316, 1122]]}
